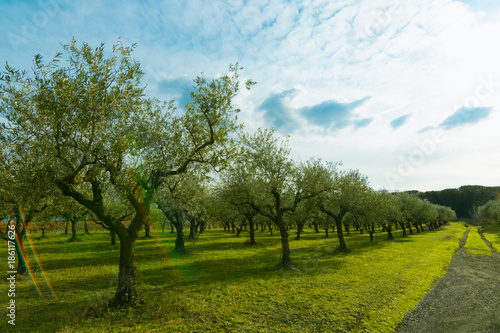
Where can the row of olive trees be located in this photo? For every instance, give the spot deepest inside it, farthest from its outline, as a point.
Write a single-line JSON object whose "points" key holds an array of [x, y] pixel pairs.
{"points": [[266, 183]]}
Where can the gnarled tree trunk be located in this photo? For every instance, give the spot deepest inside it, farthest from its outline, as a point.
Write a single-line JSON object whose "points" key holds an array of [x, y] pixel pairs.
{"points": [[192, 229], [238, 230], [300, 228], [147, 229], [73, 230], [252, 231], [286, 260], [126, 293], [179, 241], [389, 232], [402, 224], [342, 245], [20, 233]]}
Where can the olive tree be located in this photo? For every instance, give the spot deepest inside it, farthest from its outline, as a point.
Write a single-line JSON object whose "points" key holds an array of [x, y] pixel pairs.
{"points": [[446, 214], [490, 211], [235, 189], [223, 212], [373, 211], [25, 190], [348, 190], [274, 184], [182, 199], [427, 214], [409, 206], [305, 212], [76, 119], [73, 212], [392, 213]]}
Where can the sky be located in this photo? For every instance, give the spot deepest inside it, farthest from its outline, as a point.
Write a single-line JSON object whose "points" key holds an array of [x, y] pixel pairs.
{"points": [[405, 91]]}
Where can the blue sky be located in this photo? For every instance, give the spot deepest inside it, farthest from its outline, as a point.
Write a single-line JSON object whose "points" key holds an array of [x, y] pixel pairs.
{"points": [[408, 92]]}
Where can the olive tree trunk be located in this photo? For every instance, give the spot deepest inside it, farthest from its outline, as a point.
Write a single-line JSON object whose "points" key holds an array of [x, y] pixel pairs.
{"points": [[20, 232], [286, 261], [179, 240], [389, 232], [73, 230], [126, 293], [342, 245], [86, 228]]}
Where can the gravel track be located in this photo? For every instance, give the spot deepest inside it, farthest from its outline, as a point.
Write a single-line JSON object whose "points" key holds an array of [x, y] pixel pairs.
{"points": [[466, 299]]}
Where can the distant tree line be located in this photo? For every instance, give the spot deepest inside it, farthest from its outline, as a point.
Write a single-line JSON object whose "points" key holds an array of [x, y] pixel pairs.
{"points": [[465, 200]]}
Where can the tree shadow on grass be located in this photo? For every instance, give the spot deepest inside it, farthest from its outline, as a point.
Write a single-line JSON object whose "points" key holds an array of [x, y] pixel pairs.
{"points": [[260, 262], [218, 271], [52, 316], [98, 260], [210, 265]]}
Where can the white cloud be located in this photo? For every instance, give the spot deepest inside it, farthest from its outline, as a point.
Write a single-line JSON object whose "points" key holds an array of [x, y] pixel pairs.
{"points": [[428, 58]]}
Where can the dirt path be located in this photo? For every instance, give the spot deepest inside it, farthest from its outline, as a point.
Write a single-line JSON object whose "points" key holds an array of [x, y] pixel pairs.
{"points": [[466, 299]]}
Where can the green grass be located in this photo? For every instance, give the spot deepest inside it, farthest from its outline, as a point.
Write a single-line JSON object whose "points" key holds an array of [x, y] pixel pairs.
{"points": [[226, 285], [492, 233], [475, 245]]}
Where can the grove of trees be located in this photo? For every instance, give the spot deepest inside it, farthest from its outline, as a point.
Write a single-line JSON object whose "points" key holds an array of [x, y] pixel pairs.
{"points": [[81, 141]]}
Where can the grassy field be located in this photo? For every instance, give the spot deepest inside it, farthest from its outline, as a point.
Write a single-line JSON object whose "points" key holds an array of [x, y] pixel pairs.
{"points": [[492, 233], [226, 285], [475, 245]]}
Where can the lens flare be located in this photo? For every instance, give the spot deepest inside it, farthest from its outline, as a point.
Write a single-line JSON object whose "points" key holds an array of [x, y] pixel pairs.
{"points": [[163, 249], [30, 246], [22, 258]]}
